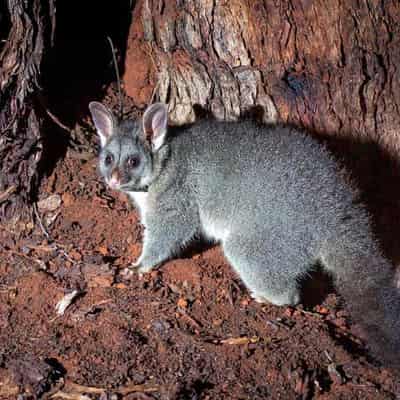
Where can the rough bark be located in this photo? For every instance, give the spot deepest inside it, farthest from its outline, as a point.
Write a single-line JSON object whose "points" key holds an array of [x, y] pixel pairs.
{"points": [[31, 30], [329, 66]]}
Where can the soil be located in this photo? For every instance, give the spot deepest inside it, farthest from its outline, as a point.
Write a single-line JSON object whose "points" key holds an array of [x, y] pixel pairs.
{"points": [[186, 331]]}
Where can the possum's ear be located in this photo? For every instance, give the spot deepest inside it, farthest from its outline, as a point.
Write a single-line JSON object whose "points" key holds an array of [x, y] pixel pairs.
{"points": [[104, 121], [155, 123]]}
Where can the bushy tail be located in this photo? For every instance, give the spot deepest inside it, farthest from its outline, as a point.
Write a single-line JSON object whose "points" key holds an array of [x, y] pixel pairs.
{"points": [[366, 281]]}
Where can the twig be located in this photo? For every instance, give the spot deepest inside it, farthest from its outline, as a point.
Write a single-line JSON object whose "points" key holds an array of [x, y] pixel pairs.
{"points": [[75, 391], [41, 247], [52, 116], [57, 121], [328, 356], [69, 396], [156, 87], [240, 340], [314, 314], [138, 388], [243, 340], [117, 75], [39, 219], [84, 389], [370, 386], [154, 92], [58, 247]]}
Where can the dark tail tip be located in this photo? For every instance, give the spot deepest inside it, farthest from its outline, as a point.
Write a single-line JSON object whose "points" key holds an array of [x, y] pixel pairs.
{"points": [[378, 311], [383, 327]]}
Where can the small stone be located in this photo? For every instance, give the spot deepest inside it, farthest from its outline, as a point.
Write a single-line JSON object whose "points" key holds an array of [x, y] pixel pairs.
{"points": [[182, 303], [50, 203]]}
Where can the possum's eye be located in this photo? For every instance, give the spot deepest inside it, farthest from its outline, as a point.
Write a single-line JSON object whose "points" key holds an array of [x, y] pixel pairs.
{"points": [[109, 159], [132, 162]]}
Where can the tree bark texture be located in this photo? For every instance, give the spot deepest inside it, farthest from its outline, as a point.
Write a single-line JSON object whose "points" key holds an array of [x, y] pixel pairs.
{"points": [[330, 66], [31, 31]]}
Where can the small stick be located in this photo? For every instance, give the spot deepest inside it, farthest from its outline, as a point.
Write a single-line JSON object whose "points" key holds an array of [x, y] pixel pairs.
{"points": [[59, 248], [52, 116], [138, 388], [314, 314], [240, 340], [154, 92], [69, 396], [117, 75], [84, 389], [57, 121], [39, 219], [77, 390]]}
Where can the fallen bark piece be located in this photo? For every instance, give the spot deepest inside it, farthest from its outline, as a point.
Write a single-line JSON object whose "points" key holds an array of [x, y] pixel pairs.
{"points": [[73, 391], [240, 340], [50, 203], [66, 301]]}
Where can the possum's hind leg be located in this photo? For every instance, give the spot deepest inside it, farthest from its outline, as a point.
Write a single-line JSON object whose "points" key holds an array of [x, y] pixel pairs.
{"points": [[270, 273]]}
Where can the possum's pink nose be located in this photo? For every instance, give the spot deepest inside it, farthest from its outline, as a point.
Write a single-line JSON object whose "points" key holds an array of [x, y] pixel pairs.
{"points": [[115, 180]]}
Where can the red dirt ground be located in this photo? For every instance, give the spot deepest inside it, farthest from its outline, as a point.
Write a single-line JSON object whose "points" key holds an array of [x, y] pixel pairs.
{"points": [[186, 331]]}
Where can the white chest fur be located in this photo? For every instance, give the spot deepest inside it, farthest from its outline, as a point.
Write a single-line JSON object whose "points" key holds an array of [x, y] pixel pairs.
{"points": [[212, 228], [140, 199]]}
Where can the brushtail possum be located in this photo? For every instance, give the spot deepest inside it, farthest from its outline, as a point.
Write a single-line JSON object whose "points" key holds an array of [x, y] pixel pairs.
{"points": [[273, 196]]}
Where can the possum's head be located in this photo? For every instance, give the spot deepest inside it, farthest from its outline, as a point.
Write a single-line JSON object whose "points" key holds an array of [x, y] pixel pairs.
{"points": [[128, 147]]}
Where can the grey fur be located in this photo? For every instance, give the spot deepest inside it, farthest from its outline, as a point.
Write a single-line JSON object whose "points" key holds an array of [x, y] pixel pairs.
{"points": [[278, 203]]}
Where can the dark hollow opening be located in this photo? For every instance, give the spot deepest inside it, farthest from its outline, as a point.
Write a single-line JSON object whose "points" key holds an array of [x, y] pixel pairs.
{"points": [[79, 68]]}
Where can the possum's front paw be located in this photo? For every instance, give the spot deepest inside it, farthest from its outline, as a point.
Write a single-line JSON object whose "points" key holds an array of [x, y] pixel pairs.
{"points": [[134, 269], [128, 273], [140, 267]]}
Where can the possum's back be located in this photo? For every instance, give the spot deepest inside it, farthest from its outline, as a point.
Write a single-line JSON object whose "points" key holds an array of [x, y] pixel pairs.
{"points": [[258, 174]]}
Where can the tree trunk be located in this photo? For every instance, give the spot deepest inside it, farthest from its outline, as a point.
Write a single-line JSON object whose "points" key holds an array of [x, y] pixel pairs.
{"points": [[329, 66], [31, 31]]}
